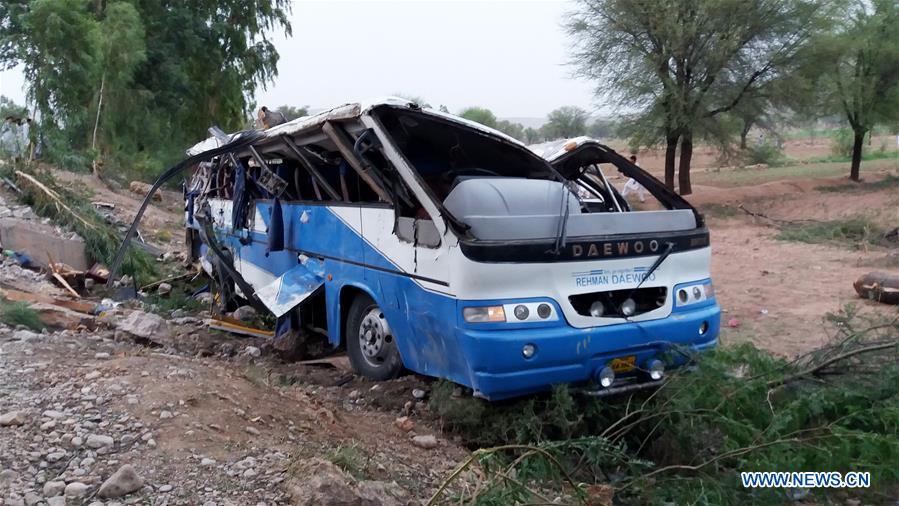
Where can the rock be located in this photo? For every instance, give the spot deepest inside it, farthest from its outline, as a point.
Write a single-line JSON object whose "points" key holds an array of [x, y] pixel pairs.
{"points": [[12, 418], [50, 413], [321, 483], [252, 430], [164, 289], [165, 414], [146, 326], [24, 335], [404, 423], [244, 313], [31, 498], [56, 501], [142, 188], [428, 442], [101, 355], [8, 476], [54, 488], [418, 393], [99, 441], [121, 483], [76, 490], [207, 462], [14, 500], [252, 351], [166, 488], [204, 298]]}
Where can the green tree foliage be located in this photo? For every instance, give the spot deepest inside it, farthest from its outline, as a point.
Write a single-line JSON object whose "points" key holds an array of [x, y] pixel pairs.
{"points": [[532, 135], [167, 70], [510, 128], [480, 115], [856, 70], [565, 122], [10, 108], [603, 128], [291, 113], [682, 63]]}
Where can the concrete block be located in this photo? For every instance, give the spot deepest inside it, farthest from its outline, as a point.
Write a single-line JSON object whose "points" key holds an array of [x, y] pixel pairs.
{"points": [[38, 240]]}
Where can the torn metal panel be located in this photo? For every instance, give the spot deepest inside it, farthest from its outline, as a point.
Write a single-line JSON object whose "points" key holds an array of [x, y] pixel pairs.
{"points": [[293, 287]]}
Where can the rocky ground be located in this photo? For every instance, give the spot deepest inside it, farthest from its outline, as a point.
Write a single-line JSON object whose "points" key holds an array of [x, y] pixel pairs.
{"points": [[151, 410]]}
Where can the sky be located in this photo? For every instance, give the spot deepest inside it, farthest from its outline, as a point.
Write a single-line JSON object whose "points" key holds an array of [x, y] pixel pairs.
{"points": [[509, 56]]}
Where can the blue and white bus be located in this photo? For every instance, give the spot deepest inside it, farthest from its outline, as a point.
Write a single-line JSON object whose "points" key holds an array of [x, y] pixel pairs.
{"points": [[419, 240]]}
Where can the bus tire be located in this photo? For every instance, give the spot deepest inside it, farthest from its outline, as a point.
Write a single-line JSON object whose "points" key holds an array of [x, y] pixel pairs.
{"points": [[370, 344]]}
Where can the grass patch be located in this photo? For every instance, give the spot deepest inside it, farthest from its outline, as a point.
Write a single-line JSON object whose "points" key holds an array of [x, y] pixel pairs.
{"points": [[718, 210], [886, 183], [351, 459], [866, 157], [855, 231], [741, 409], [19, 313], [744, 177]]}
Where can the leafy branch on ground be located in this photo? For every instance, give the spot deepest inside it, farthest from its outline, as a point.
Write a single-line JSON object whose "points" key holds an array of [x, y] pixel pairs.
{"points": [[740, 409], [65, 208]]}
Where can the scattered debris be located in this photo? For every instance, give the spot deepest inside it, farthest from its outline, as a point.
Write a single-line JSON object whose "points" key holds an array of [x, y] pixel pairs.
{"points": [[404, 423]]}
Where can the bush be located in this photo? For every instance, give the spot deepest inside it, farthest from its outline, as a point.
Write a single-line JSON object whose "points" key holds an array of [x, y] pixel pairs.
{"points": [[856, 231], [20, 313], [842, 142], [768, 154], [740, 409]]}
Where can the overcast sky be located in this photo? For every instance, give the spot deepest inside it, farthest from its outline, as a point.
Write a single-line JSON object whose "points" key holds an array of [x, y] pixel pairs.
{"points": [[509, 56]]}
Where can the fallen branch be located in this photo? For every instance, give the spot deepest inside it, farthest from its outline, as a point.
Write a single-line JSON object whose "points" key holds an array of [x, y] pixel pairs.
{"points": [[54, 196], [817, 368]]}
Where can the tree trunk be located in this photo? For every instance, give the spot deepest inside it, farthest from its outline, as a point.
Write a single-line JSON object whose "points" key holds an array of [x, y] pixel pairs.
{"points": [[857, 154], [683, 169], [744, 133], [670, 152]]}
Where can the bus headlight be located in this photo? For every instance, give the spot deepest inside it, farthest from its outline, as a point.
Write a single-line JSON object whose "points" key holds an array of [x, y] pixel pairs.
{"points": [[484, 314], [544, 311], [694, 293], [597, 309], [521, 312], [606, 377], [628, 307], [656, 369]]}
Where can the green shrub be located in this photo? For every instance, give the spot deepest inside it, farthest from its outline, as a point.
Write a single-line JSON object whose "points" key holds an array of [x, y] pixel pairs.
{"points": [[20, 313], [855, 231], [842, 142], [768, 154]]}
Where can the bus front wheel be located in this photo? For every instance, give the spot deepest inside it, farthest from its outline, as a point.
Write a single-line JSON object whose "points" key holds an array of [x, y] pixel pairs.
{"points": [[370, 343]]}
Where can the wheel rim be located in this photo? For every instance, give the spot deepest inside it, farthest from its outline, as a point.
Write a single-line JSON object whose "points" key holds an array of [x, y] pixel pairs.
{"points": [[375, 338]]}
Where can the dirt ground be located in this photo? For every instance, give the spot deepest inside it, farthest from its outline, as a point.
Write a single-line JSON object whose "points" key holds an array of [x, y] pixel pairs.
{"points": [[215, 419]]}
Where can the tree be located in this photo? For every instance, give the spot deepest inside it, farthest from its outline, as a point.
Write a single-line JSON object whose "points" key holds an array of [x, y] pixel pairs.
{"points": [[10, 108], [531, 136], [857, 70], [565, 122], [167, 70], [480, 115], [510, 128], [291, 113], [684, 62], [603, 128]]}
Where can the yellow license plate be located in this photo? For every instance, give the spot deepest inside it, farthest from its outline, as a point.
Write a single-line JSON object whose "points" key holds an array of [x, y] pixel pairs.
{"points": [[624, 364]]}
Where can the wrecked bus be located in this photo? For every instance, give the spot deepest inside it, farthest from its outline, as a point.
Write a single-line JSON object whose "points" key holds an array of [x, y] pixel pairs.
{"points": [[420, 240]]}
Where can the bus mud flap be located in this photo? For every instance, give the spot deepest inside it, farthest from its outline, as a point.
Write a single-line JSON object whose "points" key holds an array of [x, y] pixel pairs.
{"points": [[293, 287]]}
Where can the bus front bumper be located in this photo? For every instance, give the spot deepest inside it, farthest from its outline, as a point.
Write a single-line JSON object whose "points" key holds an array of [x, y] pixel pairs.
{"points": [[563, 354]]}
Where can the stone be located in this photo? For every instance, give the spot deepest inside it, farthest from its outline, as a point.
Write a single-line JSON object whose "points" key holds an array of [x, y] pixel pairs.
{"points": [[56, 501], [147, 326], [166, 488], [164, 289], [54, 488], [51, 413], [31, 498], [252, 430], [8, 476], [99, 441], [321, 483], [25, 335], [102, 355], [418, 393], [252, 351], [121, 483], [12, 418], [244, 313], [428, 442], [404, 423], [142, 188], [204, 298], [76, 490], [165, 414], [207, 462]]}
